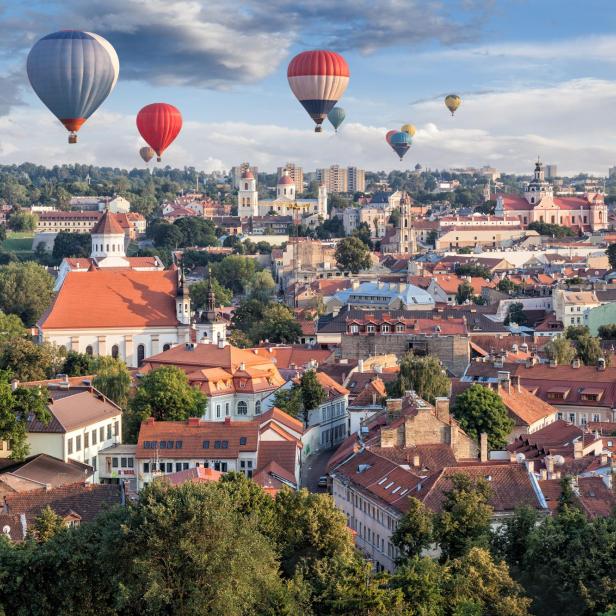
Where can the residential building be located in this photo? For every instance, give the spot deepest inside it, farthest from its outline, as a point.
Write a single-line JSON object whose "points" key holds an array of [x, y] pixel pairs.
{"points": [[296, 173], [380, 296], [498, 236], [356, 180], [350, 219], [444, 288], [551, 172], [572, 307], [334, 178], [117, 204]]}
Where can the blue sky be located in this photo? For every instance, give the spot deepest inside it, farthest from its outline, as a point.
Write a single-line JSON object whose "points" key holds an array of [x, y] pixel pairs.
{"points": [[536, 77]]}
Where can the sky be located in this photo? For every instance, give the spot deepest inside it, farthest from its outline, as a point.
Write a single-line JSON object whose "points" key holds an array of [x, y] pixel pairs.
{"points": [[537, 78]]}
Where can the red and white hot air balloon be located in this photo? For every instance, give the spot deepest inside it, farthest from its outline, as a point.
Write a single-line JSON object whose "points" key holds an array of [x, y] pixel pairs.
{"points": [[318, 79], [159, 124]]}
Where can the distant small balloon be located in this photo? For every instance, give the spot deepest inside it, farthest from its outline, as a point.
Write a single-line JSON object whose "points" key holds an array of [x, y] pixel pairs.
{"points": [[400, 143], [409, 129], [147, 153], [336, 117], [452, 102]]}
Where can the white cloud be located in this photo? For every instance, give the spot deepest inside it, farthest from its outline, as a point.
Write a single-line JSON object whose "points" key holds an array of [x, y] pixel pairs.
{"points": [[570, 124]]}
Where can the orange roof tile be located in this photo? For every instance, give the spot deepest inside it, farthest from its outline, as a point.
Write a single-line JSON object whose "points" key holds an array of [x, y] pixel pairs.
{"points": [[108, 224]]}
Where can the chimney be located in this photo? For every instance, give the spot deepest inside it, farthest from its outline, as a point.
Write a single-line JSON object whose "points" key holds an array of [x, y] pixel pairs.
{"points": [[222, 343], [227, 420], [544, 474], [193, 421], [242, 366], [576, 363], [14, 384], [553, 363], [393, 405], [578, 447], [483, 447], [549, 465], [601, 364], [416, 461], [360, 366], [530, 466], [603, 459], [515, 382], [504, 380], [441, 406]]}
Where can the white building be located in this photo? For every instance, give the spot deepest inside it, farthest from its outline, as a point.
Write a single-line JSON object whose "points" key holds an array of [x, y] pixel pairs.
{"points": [[572, 307]]}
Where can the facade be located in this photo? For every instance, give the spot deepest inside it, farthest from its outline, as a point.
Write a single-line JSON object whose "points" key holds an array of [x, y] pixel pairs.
{"points": [[350, 219], [587, 213], [573, 307], [498, 236], [380, 296], [402, 239], [285, 204], [334, 178], [296, 173], [356, 180]]}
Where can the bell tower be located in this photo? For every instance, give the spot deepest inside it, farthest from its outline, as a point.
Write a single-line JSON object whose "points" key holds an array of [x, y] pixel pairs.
{"points": [[209, 326], [537, 189], [247, 196]]}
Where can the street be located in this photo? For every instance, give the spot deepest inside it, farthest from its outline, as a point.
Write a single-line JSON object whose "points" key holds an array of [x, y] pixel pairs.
{"points": [[313, 468]]}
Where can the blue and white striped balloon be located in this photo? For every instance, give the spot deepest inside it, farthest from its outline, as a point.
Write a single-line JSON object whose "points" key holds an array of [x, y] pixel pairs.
{"points": [[73, 72]]}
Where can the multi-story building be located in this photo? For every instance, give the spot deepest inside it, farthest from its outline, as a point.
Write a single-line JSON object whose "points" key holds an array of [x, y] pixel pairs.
{"points": [[356, 180], [551, 172], [296, 173], [350, 219], [572, 307], [334, 178]]}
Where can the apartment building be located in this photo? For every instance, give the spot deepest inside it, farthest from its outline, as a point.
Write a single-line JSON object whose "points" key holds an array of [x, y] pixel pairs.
{"points": [[356, 180], [334, 178]]}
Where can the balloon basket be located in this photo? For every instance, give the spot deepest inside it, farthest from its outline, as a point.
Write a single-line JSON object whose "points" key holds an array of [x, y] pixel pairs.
{"points": [[72, 138], [158, 159], [318, 129]]}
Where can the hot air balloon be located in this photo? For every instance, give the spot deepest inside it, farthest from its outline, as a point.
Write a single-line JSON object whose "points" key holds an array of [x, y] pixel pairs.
{"points": [[159, 124], [409, 129], [73, 72], [318, 79], [147, 153], [336, 117], [400, 142], [389, 134], [452, 102]]}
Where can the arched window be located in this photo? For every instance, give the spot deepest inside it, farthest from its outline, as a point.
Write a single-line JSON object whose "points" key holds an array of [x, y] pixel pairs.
{"points": [[107, 247], [115, 351], [242, 408], [258, 407], [166, 347], [218, 411], [89, 350], [140, 353]]}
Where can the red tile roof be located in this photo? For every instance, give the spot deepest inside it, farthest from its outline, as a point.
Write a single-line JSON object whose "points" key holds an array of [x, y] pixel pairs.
{"points": [[108, 225], [196, 474]]}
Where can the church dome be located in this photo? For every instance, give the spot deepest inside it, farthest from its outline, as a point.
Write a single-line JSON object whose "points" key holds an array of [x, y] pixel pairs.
{"points": [[285, 179], [247, 175]]}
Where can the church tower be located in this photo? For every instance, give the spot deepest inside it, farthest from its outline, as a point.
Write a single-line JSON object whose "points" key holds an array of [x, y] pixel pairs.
{"points": [[538, 188], [247, 196], [407, 241], [322, 201], [209, 326], [108, 242], [182, 299], [286, 187]]}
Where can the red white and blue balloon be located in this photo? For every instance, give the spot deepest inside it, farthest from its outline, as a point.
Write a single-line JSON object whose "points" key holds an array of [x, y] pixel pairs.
{"points": [[318, 79], [73, 72]]}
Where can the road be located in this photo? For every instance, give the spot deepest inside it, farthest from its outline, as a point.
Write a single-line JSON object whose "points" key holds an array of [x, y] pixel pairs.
{"points": [[313, 468]]}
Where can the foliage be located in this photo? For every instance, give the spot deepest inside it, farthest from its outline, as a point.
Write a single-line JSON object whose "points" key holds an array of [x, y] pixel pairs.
{"points": [[589, 350], [11, 327], [561, 350], [68, 244], [277, 325], [262, 286], [199, 292], [480, 409], [330, 228], [550, 230], [352, 255], [239, 339], [414, 532], [424, 375], [304, 396], [575, 332], [474, 270], [235, 272], [464, 521], [289, 400], [506, 286], [611, 255], [166, 395], [515, 314], [465, 292], [607, 332], [26, 290], [28, 361], [112, 379], [47, 525], [78, 364], [20, 220], [247, 314]]}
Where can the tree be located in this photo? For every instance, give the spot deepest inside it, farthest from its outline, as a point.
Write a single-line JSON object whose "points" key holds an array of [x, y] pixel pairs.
{"points": [[289, 400], [516, 315], [21, 221], [611, 255], [464, 521], [312, 393], [277, 325], [424, 375], [196, 231], [607, 332], [28, 361], [235, 272], [352, 254], [26, 290], [262, 286], [414, 532], [465, 292], [239, 339], [550, 230], [166, 395], [480, 409], [511, 540], [589, 350], [199, 292], [165, 235], [68, 244], [47, 525], [78, 364], [112, 379], [11, 327], [506, 286], [248, 314], [561, 350], [473, 269], [575, 332]]}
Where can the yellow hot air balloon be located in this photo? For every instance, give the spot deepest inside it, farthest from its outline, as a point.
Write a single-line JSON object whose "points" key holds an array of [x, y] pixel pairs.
{"points": [[409, 129], [452, 102]]}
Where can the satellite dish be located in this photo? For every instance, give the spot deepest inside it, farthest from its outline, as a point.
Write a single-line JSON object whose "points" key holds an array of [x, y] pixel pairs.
{"points": [[6, 530], [520, 457], [559, 460]]}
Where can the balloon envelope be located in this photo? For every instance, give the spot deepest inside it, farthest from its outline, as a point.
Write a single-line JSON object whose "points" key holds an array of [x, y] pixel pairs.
{"points": [[409, 129], [73, 72], [400, 142], [159, 124], [336, 117], [318, 79], [147, 153], [389, 135], [452, 102]]}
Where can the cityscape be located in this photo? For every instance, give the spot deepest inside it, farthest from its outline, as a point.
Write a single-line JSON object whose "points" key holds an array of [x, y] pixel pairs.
{"points": [[277, 339]]}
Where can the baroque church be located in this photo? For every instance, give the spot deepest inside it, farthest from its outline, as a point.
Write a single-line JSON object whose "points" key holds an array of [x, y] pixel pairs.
{"points": [[401, 238], [127, 307], [286, 202], [583, 214]]}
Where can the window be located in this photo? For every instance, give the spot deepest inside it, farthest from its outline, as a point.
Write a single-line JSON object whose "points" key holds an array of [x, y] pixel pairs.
{"points": [[123, 462], [166, 347], [178, 444], [94, 434], [146, 467], [225, 444], [114, 462], [572, 418], [101, 432], [140, 353], [69, 445], [170, 467], [130, 462], [242, 408], [116, 428], [258, 407], [354, 329], [370, 329], [86, 440], [108, 431], [227, 409], [115, 351], [95, 463], [89, 350], [218, 411], [596, 417], [242, 440], [178, 466], [78, 442], [385, 329], [206, 444], [161, 467], [217, 444]]}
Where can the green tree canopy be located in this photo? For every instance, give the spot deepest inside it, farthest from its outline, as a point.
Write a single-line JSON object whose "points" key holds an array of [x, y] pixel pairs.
{"points": [[68, 244], [28, 361], [560, 350], [277, 325], [262, 286], [352, 255], [199, 292], [589, 350], [465, 292], [235, 272], [424, 375], [607, 332], [515, 314], [20, 220], [112, 380], [611, 255], [480, 409], [415, 531]]}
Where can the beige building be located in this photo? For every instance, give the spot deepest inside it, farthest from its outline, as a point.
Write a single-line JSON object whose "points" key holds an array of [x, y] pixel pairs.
{"points": [[571, 307], [335, 179], [487, 237], [296, 173], [356, 180]]}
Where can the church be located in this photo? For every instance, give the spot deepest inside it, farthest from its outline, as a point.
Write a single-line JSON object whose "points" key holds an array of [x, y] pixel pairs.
{"points": [[585, 214], [401, 238], [111, 304], [285, 204]]}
